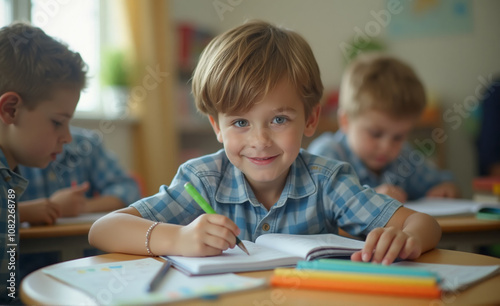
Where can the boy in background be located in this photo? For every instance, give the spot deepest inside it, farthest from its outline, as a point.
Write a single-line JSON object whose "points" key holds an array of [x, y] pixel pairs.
{"points": [[381, 100], [84, 178], [40, 84], [260, 87]]}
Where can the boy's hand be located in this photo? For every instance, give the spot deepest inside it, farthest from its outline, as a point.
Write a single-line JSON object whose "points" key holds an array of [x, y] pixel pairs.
{"points": [[384, 245], [41, 213], [444, 190], [207, 235], [393, 191], [71, 201]]}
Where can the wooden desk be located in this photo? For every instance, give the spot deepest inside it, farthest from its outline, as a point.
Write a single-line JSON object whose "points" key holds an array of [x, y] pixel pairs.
{"points": [[38, 288], [467, 233]]}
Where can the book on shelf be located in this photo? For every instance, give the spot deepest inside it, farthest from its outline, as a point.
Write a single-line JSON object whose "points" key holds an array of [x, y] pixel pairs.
{"points": [[486, 189], [443, 207], [268, 252]]}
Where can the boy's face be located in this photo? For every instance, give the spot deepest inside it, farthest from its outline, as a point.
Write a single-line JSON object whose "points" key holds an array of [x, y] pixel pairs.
{"points": [[375, 137], [265, 141], [38, 135]]}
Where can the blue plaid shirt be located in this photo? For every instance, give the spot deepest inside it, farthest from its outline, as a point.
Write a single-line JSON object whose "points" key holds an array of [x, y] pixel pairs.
{"points": [[320, 195], [9, 230], [410, 171], [84, 159]]}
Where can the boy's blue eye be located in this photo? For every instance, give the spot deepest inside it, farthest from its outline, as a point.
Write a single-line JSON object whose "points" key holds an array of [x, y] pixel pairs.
{"points": [[279, 120], [241, 123], [56, 123]]}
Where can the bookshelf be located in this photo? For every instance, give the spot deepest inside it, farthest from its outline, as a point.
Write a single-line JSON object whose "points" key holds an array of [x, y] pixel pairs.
{"points": [[196, 135]]}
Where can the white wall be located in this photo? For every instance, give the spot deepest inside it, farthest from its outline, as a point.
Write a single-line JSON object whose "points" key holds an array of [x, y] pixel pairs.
{"points": [[450, 66]]}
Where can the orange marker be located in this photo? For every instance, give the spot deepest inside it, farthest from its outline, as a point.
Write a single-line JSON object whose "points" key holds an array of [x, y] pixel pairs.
{"points": [[357, 287]]}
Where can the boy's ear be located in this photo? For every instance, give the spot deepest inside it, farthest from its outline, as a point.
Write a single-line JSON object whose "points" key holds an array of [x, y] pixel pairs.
{"points": [[10, 102], [343, 121], [216, 128], [312, 121]]}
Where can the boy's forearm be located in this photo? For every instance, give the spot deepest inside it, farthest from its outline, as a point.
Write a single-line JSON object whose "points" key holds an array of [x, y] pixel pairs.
{"points": [[103, 203], [425, 228], [126, 233], [25, 209]]}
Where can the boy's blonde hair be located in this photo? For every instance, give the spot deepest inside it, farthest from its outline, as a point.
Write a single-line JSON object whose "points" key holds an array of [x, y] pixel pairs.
{"points": [[240, 66], [375, 81], [33, 64]]}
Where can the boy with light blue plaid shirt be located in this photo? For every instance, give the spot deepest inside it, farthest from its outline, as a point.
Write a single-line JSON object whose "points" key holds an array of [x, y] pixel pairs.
{"points": [[381, 99], [84, 178], [260, 87], [40, 84]]}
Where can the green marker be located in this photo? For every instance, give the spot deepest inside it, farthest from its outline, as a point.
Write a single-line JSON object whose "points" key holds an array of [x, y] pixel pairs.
{"points": [[208, 209]]}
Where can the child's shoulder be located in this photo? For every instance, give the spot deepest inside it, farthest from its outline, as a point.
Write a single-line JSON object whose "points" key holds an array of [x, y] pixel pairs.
{"points": [[329, 144], [10, 180], [212, 164], [319, 165]]}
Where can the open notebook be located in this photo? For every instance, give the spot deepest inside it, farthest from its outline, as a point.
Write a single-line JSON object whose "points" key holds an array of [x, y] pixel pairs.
{"points": [[268, 252], [442, 207]]}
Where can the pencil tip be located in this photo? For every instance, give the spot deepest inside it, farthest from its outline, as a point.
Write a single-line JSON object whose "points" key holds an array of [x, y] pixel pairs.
{"points": [[242, 246]]}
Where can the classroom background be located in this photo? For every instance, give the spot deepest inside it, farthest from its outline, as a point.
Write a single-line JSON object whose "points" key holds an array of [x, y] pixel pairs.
{"points": [[142, 52]]}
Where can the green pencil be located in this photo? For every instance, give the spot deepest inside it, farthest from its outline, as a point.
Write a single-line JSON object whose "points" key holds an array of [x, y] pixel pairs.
{"points": [[208, 209]]}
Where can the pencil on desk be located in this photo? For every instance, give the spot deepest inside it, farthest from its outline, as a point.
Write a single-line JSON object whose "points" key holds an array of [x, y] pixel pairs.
{"points": [[208, 209], [159, 276]]}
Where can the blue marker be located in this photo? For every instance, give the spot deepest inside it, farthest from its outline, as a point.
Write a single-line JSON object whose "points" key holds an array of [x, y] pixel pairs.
{"points": [[362, 267]]}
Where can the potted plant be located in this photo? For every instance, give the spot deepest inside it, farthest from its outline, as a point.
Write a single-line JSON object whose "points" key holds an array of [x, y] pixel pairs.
{"points": [[115, 77]]}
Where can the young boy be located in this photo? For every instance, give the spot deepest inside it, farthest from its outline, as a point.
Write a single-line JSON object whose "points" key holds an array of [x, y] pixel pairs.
{"points": [[85, 177], [381, 100], [40, 84], [260, 87]]}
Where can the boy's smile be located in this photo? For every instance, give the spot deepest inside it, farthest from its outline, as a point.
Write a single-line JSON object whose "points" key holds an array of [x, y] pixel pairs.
{"points": [[265, 141]]}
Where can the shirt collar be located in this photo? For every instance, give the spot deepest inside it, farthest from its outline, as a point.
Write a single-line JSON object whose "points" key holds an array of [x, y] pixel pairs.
{"points": [[12, 178], [234, 188]]}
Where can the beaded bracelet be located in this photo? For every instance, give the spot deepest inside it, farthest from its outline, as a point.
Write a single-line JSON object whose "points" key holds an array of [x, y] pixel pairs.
{"points": [[148, 235]]}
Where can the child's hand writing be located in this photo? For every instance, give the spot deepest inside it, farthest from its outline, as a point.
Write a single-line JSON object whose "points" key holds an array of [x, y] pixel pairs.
{"points": [[71, 201], [393, 191], [384, 245], [444, 190], [207, 235]]}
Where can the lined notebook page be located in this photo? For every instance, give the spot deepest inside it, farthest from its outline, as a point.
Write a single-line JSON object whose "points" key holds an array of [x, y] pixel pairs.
{"points": [[455, 277]]}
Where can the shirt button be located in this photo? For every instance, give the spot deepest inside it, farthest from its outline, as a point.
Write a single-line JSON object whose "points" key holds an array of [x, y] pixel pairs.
{"points": [[265, 227], [7, 178], [52, 176]]}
